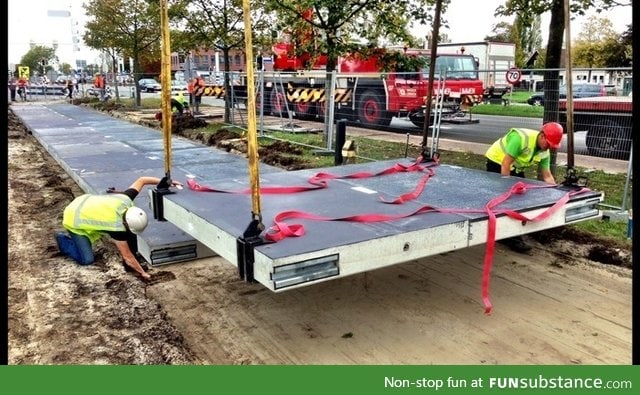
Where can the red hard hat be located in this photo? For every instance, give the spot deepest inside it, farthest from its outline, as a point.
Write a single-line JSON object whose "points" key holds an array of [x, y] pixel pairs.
{"points": [[553, 133]]}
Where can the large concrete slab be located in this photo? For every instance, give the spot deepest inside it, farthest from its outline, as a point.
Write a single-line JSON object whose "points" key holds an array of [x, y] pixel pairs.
{"points": [[99, 151], [338, 244]]}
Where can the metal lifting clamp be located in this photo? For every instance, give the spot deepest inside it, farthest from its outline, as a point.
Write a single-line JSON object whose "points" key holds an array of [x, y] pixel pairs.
{"points": [[156, 197], [245, 245], [572, 179], [427, 157]]}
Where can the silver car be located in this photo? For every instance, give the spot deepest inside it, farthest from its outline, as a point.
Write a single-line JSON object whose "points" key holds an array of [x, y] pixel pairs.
{"points": [[149, 85]]}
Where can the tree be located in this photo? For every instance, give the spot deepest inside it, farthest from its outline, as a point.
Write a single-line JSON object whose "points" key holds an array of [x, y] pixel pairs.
{"points": [[598, 45], [65, 68], [219, 25], [503, 32], [527, 37], [618, 50], [330, 27], [524, 33], [555, 39], [125, 28], [34, 57]]}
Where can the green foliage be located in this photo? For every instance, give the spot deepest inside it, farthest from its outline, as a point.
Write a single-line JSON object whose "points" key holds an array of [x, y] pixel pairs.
{"points": [[334, 25], [34, 56], [210, 24], [529, 9], [65, 68], [129, 29], [598, 45], [503, 32], [588, 46]]}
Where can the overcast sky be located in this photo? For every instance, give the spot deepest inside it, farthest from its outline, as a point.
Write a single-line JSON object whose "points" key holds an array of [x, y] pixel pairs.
{"points": [[29, 20]]}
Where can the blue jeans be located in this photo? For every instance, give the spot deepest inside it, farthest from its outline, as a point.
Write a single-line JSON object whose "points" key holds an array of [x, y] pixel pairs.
{"points": [[75, 246]]}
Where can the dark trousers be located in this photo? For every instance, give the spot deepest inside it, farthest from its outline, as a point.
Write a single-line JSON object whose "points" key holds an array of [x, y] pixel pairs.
{"points": [[77, 247], [13, 93], [497, 168]]}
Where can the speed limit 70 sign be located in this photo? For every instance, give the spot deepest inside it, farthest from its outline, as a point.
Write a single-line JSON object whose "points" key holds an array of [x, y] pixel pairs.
{"points": [[513, 75]]}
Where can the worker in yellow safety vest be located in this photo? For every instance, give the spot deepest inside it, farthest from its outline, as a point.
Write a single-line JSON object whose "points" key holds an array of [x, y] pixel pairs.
{"points": [[520, 149], [90, 216], [179, 103]]}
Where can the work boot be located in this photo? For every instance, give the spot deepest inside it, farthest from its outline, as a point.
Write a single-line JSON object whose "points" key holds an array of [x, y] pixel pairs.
{"points": [[517, 244]]}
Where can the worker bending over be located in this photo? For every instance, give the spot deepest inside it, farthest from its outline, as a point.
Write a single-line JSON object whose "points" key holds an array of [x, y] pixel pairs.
{"points": [[89, 217], [520, 149]]}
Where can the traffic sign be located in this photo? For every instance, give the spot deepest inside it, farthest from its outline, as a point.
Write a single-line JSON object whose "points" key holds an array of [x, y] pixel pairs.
{"points": [[23, 72], [513, 75]]}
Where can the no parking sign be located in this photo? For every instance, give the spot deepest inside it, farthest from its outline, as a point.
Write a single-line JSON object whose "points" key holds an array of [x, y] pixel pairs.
{"points": [[513, 75]]}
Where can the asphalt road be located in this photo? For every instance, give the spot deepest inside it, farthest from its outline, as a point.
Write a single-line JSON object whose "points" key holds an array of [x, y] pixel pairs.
{"points": [[490, 128]]}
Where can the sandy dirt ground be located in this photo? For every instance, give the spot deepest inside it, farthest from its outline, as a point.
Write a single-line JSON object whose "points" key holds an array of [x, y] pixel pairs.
{"points": [[555, 306]]}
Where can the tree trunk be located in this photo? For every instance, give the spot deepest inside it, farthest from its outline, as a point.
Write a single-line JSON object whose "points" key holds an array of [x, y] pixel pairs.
{"points": [[552, 74]]}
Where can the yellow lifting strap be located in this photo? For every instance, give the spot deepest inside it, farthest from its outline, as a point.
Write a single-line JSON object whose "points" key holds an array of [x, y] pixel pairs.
{"points": [[252, 138], [165, 77]]}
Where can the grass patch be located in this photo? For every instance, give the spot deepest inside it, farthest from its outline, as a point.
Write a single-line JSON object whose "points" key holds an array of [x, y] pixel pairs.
{"points": [[512, 110]]}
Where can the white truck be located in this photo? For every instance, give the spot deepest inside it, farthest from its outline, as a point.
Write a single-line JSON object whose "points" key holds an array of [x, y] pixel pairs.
{"points": [[494, 59]]}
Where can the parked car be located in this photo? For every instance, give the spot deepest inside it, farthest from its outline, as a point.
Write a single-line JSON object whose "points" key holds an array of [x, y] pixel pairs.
{"points": [[149, 85], [579, 90], [153, 87]]}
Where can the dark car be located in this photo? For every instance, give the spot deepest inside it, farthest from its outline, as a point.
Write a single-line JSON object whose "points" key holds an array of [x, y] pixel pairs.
{"points": [[579, 90], [149, 85]]}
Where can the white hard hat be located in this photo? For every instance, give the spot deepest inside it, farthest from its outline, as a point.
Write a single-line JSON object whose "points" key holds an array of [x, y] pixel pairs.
{"points": [[136, 219]]}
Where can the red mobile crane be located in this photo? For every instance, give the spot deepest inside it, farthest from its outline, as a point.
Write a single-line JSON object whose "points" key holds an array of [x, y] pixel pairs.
{"points": [[369, 95]]}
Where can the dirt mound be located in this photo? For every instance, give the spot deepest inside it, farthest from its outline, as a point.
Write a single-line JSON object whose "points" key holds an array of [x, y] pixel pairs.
{"points": [[572, 242]]}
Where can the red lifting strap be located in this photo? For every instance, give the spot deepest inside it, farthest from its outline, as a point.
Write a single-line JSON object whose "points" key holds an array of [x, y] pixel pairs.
{"points": [[319, 181], [281, 230]]}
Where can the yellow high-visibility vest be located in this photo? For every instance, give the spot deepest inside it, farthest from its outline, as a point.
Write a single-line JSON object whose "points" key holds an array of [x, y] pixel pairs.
{"points": [[92, 215], [526, 157]]}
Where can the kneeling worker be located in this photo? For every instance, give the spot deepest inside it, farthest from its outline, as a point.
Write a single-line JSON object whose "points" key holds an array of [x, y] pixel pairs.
{"points": [[520, 149], [88, 217], [179, 104]]}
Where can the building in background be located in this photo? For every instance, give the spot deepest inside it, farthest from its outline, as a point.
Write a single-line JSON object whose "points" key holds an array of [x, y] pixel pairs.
{"points": [[207, 63]]}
